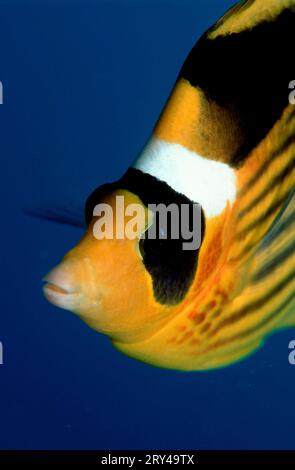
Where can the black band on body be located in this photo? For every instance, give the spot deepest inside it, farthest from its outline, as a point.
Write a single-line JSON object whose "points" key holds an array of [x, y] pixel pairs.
{"points": [[248, 72]]}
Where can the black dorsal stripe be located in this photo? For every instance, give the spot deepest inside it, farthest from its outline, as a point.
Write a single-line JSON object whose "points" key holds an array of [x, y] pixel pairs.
{"points": [[274, 155], [273, 183], [275, 263], [249, 72]]}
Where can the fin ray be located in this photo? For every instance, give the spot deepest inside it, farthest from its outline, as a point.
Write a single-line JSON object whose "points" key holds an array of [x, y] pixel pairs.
{"points": [[59, 215]]}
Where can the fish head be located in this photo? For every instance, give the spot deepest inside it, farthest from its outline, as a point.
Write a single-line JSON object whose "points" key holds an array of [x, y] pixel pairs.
{"points": [[104, 279]]}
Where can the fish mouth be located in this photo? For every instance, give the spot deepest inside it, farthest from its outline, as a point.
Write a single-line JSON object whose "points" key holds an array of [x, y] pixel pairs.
{"points": [[56, 289], [61, 296]]}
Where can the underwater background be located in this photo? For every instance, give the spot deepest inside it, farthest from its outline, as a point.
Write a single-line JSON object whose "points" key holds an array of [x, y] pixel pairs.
{"points": [[83, 83]]}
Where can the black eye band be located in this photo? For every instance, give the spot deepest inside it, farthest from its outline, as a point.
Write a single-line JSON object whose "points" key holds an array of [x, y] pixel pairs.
{"points": [[171, 267]]}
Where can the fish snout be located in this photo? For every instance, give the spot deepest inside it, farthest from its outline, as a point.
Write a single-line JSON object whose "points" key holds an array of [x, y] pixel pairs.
{"points": [[61, 287]]}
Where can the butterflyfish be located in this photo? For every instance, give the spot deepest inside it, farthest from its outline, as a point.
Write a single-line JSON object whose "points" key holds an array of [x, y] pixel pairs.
{"points": [[224, 143]]}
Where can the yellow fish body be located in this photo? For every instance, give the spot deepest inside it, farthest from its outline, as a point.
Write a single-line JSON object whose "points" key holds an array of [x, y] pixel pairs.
{"points": [[225, 140]]}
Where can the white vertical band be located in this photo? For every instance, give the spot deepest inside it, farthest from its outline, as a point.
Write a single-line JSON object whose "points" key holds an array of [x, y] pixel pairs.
{"points": [[212, 184]]}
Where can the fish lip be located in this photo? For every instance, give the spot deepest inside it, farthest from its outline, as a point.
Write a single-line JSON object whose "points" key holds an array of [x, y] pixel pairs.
{"points": [[58, 291], [59, 287], [61, 297]]}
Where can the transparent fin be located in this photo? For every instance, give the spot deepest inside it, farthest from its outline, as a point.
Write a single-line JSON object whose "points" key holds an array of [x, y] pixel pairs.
{"points": [[59, 215]]}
